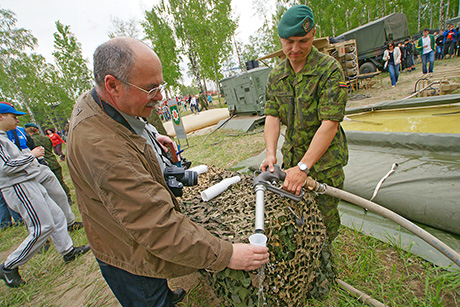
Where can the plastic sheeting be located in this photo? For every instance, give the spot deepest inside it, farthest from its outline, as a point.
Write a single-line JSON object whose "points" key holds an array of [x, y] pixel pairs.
{"points": [[425, 187], [407, 103], [385, 230]]}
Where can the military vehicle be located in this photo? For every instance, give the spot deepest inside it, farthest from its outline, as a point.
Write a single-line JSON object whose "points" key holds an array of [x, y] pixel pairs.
{"points": [[245, 92], [371, 39]]}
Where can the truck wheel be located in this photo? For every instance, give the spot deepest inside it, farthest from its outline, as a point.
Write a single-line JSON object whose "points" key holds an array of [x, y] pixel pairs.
{"points": [[367, 68]]}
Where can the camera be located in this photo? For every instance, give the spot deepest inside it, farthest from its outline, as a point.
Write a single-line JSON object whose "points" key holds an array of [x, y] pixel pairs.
{"points": [[177, 177]]}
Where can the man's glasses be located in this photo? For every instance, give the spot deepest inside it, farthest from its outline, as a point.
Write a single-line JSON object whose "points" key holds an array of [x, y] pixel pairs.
{"points": [[150, 94]]}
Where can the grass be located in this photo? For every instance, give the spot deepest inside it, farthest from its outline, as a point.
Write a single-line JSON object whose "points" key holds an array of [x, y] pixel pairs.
{"points": [[381, 270]]}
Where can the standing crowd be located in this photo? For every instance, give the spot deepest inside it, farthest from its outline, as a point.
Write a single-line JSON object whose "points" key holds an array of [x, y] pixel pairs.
{"points": [[428, 48], [195, 103]]}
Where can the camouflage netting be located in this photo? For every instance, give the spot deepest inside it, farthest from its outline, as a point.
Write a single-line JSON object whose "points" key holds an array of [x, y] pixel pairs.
{"points": [[300, 265]]}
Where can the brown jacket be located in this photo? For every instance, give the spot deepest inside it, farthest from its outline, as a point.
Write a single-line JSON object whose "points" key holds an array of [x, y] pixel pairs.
{"points": [[131, 218]]}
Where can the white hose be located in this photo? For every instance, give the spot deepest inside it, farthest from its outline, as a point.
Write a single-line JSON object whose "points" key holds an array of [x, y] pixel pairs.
{"points": [[216, 189], [424, 235], [200, 169]]}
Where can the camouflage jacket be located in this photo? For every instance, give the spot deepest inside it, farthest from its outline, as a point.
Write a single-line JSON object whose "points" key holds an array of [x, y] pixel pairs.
{"points": [[302, 101], [41, 140]]}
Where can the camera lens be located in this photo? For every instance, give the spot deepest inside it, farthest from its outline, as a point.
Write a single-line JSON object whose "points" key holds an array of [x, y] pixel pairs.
{"points": [[190, 178]]}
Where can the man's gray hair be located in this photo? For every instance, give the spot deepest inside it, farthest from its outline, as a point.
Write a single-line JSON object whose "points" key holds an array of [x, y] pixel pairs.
{"points": [[114, 57]]}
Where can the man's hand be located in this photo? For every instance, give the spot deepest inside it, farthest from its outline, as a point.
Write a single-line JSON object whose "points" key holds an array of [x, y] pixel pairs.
{"points": [[164, 141], [247, 257], [268, 163], [38, 151], [295, 180]]}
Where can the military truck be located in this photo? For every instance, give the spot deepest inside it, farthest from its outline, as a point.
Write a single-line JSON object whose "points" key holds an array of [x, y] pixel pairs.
{"points": [[371, 39], [245, 92]]}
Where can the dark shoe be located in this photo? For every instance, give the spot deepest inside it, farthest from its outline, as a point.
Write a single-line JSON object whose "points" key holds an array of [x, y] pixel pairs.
{"points": [[11, 277], [75, 226], [177, 295], [75, 252]]}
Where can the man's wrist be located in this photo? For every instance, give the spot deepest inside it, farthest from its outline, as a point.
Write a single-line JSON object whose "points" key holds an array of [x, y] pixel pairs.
{"points": [[303, 167]]}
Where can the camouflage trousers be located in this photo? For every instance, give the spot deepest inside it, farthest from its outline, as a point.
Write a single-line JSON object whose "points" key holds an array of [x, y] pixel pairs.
{"points": [[327, 204], [58, 173]]}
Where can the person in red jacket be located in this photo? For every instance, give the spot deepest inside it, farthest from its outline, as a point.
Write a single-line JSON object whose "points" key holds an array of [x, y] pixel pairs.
{"points": [[57, 142]]}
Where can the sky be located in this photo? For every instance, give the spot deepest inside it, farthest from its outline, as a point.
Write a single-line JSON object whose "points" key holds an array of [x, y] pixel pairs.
{"points": [[91, 20]]}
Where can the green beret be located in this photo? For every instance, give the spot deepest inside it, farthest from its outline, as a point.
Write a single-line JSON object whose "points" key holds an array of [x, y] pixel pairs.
{"points": [[297, 21], [28, 125]]}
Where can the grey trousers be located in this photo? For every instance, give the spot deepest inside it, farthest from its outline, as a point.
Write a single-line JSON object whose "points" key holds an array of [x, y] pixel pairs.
{"points": [[52, 185], [43, 218]]}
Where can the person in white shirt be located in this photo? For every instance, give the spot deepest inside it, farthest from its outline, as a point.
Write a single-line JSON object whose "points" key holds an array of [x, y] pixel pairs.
{"points": [[426, 46]]}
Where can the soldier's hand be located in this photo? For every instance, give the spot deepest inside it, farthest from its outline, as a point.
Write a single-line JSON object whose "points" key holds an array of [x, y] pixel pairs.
{"points": [[295, 180], [268, 163], [38, 151], [247, 257]]}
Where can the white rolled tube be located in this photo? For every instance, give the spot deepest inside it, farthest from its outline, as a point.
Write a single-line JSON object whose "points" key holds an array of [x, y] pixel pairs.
{"points": [[217, 189], [200, 169]]}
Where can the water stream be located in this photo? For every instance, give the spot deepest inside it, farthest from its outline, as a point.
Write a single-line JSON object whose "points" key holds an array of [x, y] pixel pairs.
{"points": [[261, 276]]}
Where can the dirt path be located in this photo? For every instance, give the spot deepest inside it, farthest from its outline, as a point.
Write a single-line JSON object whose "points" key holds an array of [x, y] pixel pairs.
{"points": [[382, 90]]}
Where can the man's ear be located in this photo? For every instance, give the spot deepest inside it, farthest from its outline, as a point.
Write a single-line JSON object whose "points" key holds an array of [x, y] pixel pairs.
{"points": [[112, 85]]}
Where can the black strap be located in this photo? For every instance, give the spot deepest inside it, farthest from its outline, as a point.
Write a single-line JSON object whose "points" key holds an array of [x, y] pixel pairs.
{"points": [[111, 111], [16, 139]]}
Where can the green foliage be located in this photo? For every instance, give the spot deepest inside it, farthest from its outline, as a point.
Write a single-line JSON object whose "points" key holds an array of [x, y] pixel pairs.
{"points": [[14, 42], [74, 75], [205, 29], [159, 32], [45, 91]]}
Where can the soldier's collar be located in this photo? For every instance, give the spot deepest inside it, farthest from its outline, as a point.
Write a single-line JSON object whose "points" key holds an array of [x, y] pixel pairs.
{"points": [[307, 68]]}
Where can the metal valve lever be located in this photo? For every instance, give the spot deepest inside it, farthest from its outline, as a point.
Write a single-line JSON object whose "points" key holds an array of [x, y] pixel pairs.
{"points": [[269, 180]]}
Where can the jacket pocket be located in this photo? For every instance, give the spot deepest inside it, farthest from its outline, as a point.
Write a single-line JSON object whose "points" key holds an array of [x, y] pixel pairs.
{"points": [[284, 99]]}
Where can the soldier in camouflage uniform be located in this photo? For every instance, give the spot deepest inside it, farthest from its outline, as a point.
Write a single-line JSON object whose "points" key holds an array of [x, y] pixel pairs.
{"points": [[307, 93], [50, 158]]}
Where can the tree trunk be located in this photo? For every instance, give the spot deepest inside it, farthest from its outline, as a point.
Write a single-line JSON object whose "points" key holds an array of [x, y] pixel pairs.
{"points": [[442, 17], [192, 58], [332, 25], [242, 67], [431, 17], [24, 99], [215, 73], [419, 15], [447, 10]]}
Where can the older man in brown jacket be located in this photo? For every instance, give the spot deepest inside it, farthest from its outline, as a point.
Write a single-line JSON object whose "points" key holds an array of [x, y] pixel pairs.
{"points": [[132, 219]]}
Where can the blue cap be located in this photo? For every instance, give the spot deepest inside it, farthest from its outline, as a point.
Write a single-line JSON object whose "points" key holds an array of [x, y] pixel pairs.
{"points": [[4, 108]]}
